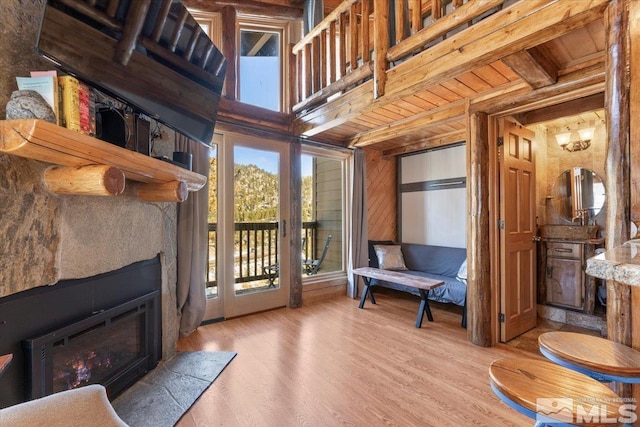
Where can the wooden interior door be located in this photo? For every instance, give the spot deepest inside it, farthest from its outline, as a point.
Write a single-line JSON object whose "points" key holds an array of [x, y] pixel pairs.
{"points": [[517, 231]]}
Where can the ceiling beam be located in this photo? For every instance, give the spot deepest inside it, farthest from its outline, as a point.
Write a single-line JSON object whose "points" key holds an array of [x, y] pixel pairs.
{"points": [[427, 143], [533, 67], [417, 122], [569, 108], [259, 44], [248, 7]]}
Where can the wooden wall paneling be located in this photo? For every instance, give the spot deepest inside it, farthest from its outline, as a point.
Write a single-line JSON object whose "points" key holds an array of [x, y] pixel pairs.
{"points": [[619, 313], [381, 196], [479, 292]]}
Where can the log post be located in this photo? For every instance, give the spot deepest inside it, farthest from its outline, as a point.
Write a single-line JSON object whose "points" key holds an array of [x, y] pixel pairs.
{"points": [[617, 85], [381, 46], [173, 191], [478, 248], [91, 180], [228, 14]]}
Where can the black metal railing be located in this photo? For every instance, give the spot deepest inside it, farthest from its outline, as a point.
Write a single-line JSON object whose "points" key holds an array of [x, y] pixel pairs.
{"points": [[255, 247]]}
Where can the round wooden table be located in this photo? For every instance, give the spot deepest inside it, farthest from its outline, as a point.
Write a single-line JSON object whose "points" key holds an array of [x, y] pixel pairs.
{"points": [[552, 394], [600, 358]]}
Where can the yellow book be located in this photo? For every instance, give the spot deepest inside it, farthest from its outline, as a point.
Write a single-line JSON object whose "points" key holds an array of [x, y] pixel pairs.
{"points": [[70, 102]]}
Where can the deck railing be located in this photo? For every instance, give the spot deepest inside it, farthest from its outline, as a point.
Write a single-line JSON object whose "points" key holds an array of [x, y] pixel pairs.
{"points": [[361, 39], [255, 246]]}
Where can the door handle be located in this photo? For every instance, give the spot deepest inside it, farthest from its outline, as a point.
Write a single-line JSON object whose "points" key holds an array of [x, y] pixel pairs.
{"points": [[536, 239], [284, 228]]}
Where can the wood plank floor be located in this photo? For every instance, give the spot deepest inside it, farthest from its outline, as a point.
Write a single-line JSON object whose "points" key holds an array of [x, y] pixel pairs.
{"points": [[329, 364]]}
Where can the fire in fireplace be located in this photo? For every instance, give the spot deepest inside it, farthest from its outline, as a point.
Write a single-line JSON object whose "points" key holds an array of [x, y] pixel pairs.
{"points": [[103, 329], [113, 348]]}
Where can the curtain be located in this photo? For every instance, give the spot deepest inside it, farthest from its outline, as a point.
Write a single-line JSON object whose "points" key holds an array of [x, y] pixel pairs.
{"points": [[358, 249], [192, 242]]}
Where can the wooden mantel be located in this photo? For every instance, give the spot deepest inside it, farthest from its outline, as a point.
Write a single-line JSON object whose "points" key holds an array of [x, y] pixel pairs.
{"points": [[155, 179]]}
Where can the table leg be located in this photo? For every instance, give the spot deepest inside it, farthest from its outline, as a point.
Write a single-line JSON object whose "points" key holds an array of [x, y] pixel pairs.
{"points": [[424, 308], [368, 290]]}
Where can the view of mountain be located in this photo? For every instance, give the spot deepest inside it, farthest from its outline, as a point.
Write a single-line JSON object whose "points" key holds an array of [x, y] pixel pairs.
{"points": [[256, 193]]}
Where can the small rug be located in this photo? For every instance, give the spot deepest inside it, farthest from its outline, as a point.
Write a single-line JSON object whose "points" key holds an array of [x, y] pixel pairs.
{"points": [[162, 396]]}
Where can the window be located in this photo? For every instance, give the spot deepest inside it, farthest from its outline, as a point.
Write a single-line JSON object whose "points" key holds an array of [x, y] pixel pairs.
{"points": [[261, 64], [323, 210]]}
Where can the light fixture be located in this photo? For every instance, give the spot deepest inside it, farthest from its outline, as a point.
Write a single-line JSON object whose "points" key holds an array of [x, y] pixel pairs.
{"points": [[564, 140]]}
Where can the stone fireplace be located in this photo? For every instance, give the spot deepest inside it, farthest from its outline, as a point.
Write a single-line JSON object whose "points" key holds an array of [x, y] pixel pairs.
{"points": [[46, 238]]}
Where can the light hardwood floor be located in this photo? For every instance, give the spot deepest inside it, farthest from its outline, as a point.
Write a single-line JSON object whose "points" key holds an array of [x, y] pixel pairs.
{"points": [[329, 364]]}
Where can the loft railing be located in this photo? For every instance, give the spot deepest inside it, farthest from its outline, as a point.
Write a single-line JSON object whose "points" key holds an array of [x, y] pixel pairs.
{"points": [[361, 39], [255, 246]]}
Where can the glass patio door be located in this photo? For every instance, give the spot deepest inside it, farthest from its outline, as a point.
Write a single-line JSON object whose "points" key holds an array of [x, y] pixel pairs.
{"points": [[253, 262]]}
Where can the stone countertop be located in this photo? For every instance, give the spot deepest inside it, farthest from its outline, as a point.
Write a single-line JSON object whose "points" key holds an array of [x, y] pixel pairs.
{"points": [[621, 264], [595, 241]]}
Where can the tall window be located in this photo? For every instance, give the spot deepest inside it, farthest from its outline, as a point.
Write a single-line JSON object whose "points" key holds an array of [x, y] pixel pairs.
{"points": [[260, 72], [323, 210]]}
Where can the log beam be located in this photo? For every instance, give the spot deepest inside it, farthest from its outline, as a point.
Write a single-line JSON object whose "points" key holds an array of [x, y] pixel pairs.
{"points": [[445, 114], [427, 143], [569, 108], [91, 180], [533, 67], [174, 191]]}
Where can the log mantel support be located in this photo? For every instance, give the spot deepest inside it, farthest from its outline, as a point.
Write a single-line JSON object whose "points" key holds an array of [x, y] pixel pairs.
{"points": [[617, 92], [478, 247]]}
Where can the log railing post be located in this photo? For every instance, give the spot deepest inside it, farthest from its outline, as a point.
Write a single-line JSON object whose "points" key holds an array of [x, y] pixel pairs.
{"points": [[381, 45]]}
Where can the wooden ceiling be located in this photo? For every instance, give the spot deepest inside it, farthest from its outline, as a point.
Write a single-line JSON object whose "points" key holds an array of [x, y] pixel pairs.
{"points": [[571, 66]]}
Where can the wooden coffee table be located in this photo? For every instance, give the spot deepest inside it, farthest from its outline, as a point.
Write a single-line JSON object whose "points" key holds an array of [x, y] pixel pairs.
{"points": [[422, 284]]}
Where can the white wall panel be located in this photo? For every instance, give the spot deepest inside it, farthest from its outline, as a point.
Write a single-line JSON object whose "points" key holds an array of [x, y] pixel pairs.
{"points": [[435, 217], [437, 164], [438, 216]]}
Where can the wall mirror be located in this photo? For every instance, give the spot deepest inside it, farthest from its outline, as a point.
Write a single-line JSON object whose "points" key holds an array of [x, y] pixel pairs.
{"points": [[579, 190]]}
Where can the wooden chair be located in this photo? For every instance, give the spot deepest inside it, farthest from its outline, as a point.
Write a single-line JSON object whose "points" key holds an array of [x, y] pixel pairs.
{"points": [[599, 358], [311, 266]]}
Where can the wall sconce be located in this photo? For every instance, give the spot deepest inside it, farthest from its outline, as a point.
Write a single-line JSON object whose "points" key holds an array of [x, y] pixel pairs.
{"points": [[564, 140]]}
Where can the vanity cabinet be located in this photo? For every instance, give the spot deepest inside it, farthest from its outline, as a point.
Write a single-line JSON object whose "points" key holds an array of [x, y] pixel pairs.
{"points": [[561, 278], [564, 277]]}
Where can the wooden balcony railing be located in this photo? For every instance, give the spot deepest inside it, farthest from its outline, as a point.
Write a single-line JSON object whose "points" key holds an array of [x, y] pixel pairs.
{"points": [[361, 39], [255, 246]]}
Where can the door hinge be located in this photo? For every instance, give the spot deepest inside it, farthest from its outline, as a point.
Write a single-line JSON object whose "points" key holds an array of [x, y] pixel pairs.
{"points": [[500, 141], [501, 224], [501, 317]]}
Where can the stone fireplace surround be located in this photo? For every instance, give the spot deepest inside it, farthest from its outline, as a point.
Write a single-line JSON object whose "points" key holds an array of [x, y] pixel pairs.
{"points": [[45, 238]]}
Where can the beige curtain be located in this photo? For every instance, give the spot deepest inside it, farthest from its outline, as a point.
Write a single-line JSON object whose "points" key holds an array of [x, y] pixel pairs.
{"points": [[358, 249], [192, 242]]}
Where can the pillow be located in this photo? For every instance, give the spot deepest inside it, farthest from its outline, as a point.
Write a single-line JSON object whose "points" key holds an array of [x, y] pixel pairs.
{"points": [[373, 258], [390, 257], [462, 272]]}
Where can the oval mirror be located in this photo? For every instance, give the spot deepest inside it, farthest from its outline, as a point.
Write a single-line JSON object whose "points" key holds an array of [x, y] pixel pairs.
{"points": [[578, 193]]}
